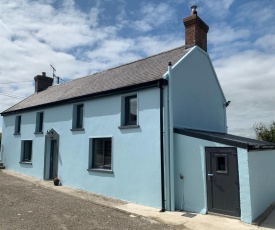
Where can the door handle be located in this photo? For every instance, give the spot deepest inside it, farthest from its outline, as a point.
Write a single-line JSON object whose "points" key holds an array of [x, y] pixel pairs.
{"points": [[210, 175]]}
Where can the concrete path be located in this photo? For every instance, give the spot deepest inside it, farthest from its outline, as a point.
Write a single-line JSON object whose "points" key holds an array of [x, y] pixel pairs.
{"points": [[180, 220]]}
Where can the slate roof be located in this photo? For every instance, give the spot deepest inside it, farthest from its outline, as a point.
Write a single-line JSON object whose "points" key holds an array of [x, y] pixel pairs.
{"points": [[135, 73], [227, 139]]}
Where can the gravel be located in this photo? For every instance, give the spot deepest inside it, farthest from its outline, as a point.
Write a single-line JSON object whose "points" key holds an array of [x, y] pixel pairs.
{"points": [[30, 205]]}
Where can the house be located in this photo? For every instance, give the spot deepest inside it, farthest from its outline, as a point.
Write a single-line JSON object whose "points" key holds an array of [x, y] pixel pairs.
{"points": [[152, 131]]}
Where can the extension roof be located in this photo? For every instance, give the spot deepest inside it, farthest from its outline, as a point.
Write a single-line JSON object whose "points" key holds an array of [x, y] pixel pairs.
{"points": [[227, 139], [146, 72]]}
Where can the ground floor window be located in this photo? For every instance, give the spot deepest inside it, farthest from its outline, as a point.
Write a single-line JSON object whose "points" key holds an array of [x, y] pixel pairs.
{"points": [[26, 152], [101, 153]]}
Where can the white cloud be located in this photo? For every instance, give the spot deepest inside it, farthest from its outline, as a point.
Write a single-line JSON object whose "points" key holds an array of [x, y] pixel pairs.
{"points": [[247, 79], [152, 16], [223, 34], [266, 42]]}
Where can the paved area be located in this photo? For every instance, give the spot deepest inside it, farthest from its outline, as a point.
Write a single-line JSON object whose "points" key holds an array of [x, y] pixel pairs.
{"points": [[30, 203]]}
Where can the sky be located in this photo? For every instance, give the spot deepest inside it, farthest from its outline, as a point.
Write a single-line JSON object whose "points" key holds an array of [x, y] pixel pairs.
{"points": [[81, 37]]}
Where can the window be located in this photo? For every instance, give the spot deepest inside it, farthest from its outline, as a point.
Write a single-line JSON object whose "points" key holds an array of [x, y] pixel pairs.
{"points": [[78, 116], [26, 151], [221, 163], [17, 127], [130, 110], [39, 122], [101, 153]]}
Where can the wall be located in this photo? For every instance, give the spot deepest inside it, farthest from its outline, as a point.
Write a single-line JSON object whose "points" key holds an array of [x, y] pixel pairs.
{"points": [[191, 193], [244, 181], [136, 151], [198, 101], [262, 182]]}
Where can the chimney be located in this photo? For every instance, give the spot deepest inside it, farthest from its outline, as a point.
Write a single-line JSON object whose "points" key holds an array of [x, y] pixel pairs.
{"points": [[42, 82], [195, 30]]}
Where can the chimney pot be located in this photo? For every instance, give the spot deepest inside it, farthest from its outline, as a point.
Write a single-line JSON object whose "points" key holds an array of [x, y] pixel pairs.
{"points": [[44, 74], [193, 9]]}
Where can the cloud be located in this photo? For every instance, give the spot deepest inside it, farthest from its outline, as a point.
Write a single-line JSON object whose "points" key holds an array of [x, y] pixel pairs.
{"points": [[152, 16], [247, 79], [267, 42]]}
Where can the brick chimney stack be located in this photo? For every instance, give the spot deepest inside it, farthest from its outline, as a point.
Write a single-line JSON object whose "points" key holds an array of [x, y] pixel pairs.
{"points": [[42, 82], [195, 30]]}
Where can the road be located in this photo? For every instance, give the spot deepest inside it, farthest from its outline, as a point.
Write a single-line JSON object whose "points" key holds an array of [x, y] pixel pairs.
{"points": [[28, 205]]}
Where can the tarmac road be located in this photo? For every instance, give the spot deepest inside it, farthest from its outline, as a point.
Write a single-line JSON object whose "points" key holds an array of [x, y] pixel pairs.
{"points": [[30, 206]]}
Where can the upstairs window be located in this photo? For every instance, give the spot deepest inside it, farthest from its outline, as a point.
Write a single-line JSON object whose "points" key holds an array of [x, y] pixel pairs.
{"points": [[101, 153], [78, 112], [26, 151], [130, 110], [17, 127], [39, 122]]}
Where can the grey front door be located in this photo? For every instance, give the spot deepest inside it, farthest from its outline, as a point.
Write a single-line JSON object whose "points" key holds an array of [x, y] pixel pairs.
{"points": [[53, 160], [222, 181]]}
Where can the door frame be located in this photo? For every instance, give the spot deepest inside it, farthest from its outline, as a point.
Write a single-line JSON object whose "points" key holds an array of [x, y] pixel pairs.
{"points": [[225, 150], [50, 136]]}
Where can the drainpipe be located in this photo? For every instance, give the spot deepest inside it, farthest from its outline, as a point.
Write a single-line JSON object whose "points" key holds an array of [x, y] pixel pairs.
{"points": [[161, 146], [171, 138]]}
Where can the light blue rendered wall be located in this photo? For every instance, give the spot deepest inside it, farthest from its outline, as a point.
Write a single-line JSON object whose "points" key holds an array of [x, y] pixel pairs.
{"points": [[136, 152], [12, 145], [244, 181], [198, 101], [190, 162], [262, 180]]}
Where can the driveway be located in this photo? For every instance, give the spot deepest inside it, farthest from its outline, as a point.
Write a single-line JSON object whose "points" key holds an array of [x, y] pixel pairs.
{"points": [[28, 204]]}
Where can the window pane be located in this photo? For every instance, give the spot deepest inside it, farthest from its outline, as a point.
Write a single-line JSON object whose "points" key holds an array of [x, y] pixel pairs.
{"points": [[97, 153], [19, 124], [131, 110], [221, 163], [102, 153], [79, 116], [108, 154], [27, 154], [40, 125]]}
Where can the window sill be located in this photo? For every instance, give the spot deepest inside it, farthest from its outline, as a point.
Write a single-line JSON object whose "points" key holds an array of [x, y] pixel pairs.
{"points": [[128, 126], [101, 170], [16, 134], [26, 162], [77, 129], [38, 132]]}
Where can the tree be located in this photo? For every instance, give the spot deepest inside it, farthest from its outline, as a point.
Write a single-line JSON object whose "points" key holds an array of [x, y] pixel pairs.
{"points": [[264, 133]]}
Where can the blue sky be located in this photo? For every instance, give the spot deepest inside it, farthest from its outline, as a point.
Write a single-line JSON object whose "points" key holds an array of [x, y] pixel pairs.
{"points": [[83, 37]]}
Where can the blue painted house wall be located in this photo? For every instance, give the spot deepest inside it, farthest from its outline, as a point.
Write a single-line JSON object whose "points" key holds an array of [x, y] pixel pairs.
{"points": [[136, 151], [262, 183], [195, 92], [256, 177]]}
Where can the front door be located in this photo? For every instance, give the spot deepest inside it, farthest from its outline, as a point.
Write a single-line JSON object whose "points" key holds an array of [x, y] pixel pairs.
{"points": [[53, 160], [222, 181]]}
